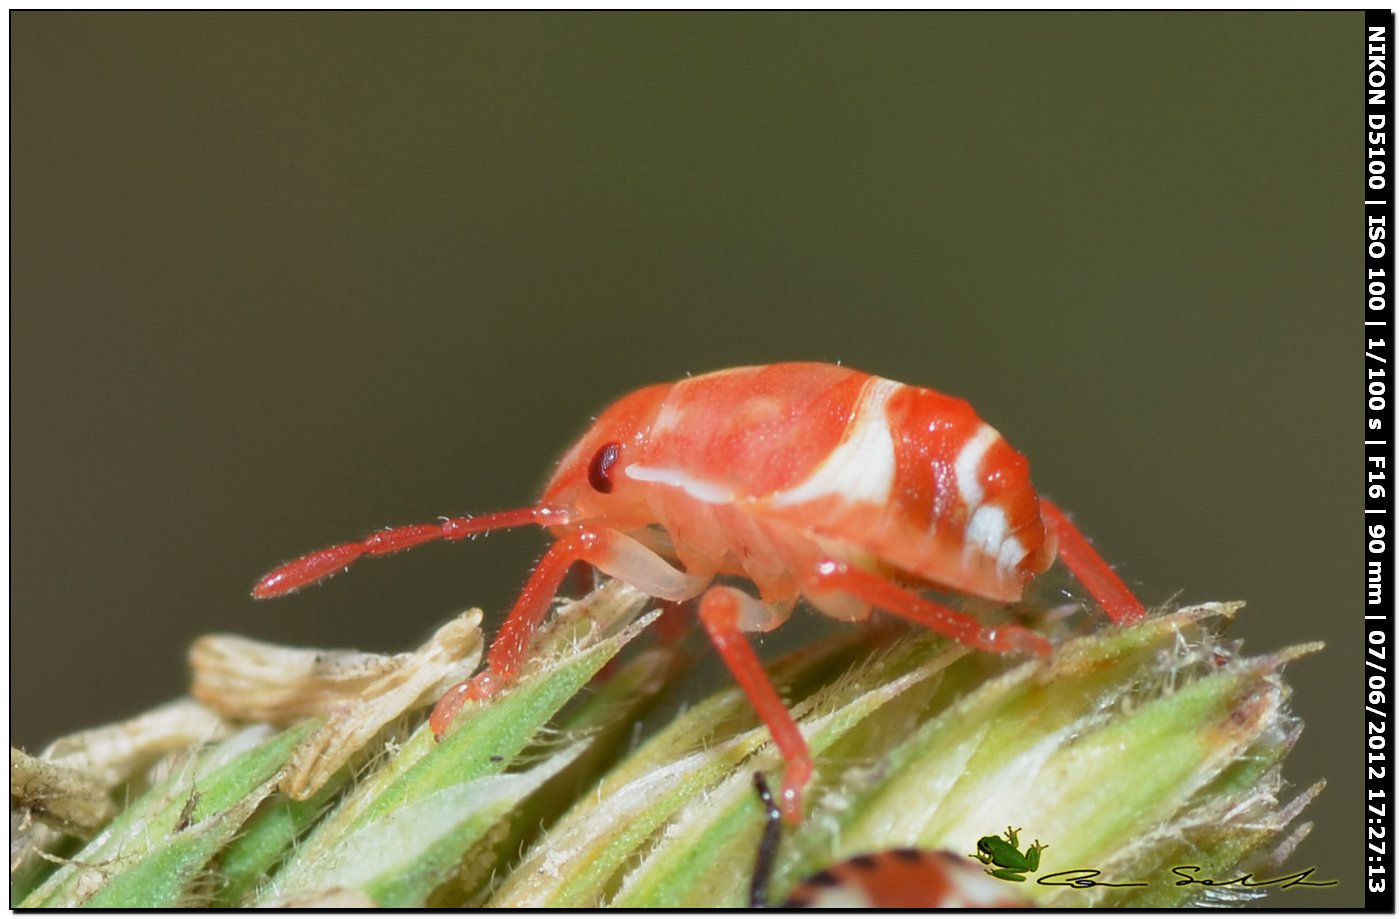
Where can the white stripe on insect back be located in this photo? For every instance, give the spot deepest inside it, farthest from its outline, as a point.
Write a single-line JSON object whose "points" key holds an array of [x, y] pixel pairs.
{"points": [[862, 466], [968, 465], [699, 489]]}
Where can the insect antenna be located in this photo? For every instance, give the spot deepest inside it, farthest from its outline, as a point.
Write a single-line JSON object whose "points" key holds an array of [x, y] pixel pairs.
{"points": [[323, 563]]}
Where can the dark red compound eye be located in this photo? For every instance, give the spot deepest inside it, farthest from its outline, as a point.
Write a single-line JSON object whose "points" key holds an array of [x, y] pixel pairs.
{"points": [[600, 469]]}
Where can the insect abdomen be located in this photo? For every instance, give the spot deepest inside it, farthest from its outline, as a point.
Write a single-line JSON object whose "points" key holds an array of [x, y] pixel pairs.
{"points": [[904, 475]]}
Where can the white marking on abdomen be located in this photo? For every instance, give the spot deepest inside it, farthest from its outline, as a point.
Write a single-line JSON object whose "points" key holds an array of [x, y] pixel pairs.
{"points": [[699, 489], [862, 466], [1010, 556], [986, 532], [968, 466], [986, 535]]}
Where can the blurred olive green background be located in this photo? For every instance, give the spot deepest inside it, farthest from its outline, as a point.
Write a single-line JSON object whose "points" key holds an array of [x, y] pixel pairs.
{"points": [[278, 280]]}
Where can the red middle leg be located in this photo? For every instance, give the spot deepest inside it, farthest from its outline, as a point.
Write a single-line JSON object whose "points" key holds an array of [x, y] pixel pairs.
{"points": [[722, 609]]}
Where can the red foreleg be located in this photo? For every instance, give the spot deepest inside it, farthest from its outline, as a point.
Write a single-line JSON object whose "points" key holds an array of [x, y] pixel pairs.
{"points": [[322, 563], [613, 553], [886, 595], [503, 660], [1107, 589]]}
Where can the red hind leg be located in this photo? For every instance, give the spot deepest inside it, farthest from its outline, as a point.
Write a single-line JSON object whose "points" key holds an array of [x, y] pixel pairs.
{"points": [[1090, 569], [724, 611], [727, 613], [878, 592], [613, 553]]}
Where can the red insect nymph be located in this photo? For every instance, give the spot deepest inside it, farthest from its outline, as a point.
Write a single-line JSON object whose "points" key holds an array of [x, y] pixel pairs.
{"points": [[810, 480]]}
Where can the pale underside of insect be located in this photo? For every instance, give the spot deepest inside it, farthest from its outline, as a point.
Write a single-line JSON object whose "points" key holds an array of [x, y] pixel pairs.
{"points": [[812, 481]]}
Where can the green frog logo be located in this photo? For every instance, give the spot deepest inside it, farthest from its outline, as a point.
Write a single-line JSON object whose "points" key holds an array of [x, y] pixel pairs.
{"points": [[1005, 856]]}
